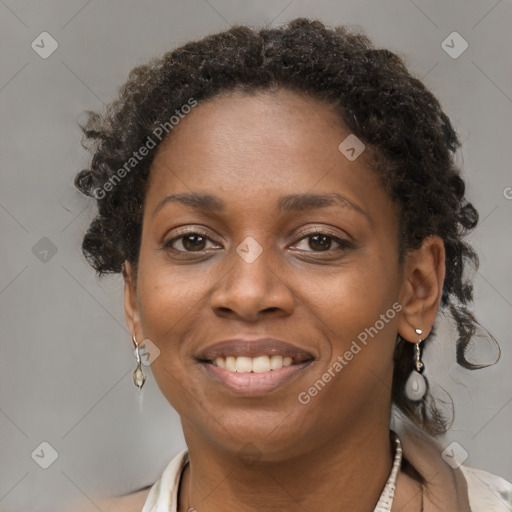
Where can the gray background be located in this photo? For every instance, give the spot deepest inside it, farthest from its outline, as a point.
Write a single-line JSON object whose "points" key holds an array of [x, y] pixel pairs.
{"points": [[66, 359]]}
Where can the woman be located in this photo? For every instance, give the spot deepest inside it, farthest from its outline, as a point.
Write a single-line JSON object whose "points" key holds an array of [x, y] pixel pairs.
{"points": [[285, 210]]}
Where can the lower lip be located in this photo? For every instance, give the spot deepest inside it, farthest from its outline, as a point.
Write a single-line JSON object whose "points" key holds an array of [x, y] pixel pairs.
{"points": [[254, 384]]}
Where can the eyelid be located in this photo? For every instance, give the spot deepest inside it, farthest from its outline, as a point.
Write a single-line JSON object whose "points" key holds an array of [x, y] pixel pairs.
{"points": [[342, 244], [323, 230], [191, 229], [302, 234]]}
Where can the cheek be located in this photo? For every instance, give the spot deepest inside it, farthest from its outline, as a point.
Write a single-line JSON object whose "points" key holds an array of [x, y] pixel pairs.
{"points": [[352, 298], [168, 305], [357, 309], [169, 300]]}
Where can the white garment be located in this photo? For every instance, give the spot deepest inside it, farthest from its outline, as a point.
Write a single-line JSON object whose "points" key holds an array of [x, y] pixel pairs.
{"points": [[163, 495], [487, 492]]}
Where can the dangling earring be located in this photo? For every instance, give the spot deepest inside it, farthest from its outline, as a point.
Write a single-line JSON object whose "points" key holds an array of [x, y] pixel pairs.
{"points": [[416, 385], [138, 376]]}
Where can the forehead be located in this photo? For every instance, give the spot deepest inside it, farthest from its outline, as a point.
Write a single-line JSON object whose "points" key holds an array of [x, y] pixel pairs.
{"points": [[252, 135], [252, 148]]}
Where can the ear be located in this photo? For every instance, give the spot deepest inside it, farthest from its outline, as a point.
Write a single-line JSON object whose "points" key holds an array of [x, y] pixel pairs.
{"points": [[422, 287], [131, 307]]}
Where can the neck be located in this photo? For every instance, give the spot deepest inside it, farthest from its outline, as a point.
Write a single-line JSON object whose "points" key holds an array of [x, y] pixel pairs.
{"points": [[348, 474]]}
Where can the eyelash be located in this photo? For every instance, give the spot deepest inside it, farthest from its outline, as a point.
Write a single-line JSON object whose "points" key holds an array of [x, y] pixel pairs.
{"points": [[343, 244]]}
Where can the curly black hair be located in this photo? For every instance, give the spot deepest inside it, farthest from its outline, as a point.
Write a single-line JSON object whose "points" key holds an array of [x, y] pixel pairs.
{"points": [[410, 140]]}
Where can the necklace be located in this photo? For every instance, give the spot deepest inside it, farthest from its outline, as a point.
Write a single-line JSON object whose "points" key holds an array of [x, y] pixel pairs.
{"points": [[388, 494], [189, 508], [386, 498]]}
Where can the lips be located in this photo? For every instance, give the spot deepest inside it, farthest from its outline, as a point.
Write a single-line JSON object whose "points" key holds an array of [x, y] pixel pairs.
{"points": [[243, 347], [253, 368]]}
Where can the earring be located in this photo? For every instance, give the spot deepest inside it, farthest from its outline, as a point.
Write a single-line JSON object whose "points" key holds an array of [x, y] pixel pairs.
{"points": [[416, 385], [138, 376]]}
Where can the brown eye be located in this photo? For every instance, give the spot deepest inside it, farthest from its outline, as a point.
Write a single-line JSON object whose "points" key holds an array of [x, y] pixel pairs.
{"points": [[194, 242], [321, 242], [189, 242]]}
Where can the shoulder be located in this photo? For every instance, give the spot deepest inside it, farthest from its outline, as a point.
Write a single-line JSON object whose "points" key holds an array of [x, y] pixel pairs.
{"points": [[148, 498], [487, 492]]}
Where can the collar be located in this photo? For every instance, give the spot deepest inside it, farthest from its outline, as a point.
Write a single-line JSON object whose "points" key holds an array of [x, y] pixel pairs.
{"points": [[445, 488]]}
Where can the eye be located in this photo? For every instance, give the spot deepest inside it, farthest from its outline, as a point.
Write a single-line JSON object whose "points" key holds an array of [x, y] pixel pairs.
{"points": [[197, 241], [321, 242], [190, 241]]}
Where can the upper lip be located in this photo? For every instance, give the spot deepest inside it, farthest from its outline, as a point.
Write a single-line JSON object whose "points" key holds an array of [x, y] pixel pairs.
{"points": [[239, 347]]}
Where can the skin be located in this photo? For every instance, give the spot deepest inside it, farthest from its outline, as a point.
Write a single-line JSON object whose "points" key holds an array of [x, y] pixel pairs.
{"points": [[333, 453]]}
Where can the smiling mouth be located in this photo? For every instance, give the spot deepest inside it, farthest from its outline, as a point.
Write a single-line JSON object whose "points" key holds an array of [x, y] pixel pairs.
{"points": [[253, 367], [258, 364]]}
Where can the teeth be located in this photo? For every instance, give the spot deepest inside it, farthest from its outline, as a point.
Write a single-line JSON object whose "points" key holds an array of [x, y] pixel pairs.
{"points": [[230, 363], [243, 364], [260, 364], [276, 362], [220, 362]]}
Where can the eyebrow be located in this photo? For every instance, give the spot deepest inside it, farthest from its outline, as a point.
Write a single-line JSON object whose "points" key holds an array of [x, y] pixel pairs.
{"points": [[289, 203]]}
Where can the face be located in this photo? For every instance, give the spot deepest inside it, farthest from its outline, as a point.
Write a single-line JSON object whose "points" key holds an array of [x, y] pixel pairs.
{"points": [[284, 238]]}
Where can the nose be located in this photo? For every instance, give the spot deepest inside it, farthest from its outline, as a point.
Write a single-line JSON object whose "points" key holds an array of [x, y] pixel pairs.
{"points": [[249, 290]]}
